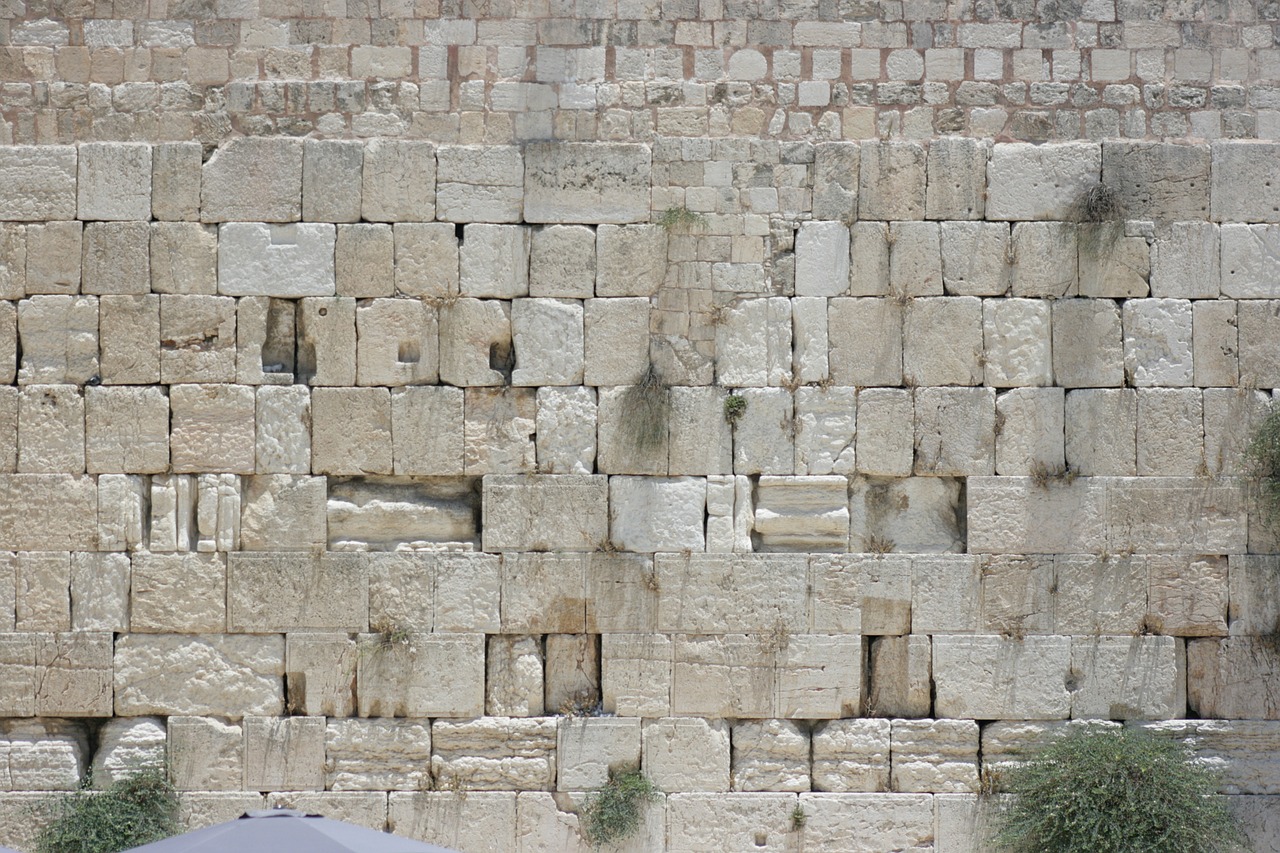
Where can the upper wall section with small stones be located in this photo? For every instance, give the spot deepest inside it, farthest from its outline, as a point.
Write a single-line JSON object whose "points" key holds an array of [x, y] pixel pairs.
{"points": [[511, 71]]}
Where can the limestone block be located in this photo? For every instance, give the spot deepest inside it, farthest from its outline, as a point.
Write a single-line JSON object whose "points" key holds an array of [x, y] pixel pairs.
{"points": [[40, 182], [125, 744], [851, 755], [121, 511], [1170, 434], [946, 594], [1012, 515], [1113, 264], [635, 674], [802, 513], [331, 180], [364, 261], [479, 183], [544, 593], [1122, 678], [901, 676], [494, 261], [363, 808], [326, 351], [825, 419], [943, 341], [396, 343], [399, 181], [495, 753], [1259, 347], [1230, 416], [648, 514], [869, 259], [13, 260], [73, 674], [114, 181], [562, 262], [197, 338], [184, 258], [566, 430], [175, 181], [1252, 611], [818, 676], [915, 259], [467, 587], [1228, 678], [860, 593], [9, 429], [377, 755], [835, 180], [426, 675], [867, 822], [573, 672], [207, 808], [1248, 261], [401, 591], [934, 756], [475, 338], [99, 592], [586, 182], [179, 593], [1031, 435], [1175, 515], [514, 676], [686, 754], [631, 260], [54, 257], [283, 512], [717, 594], [1041, 182], [770, 755], [885, 432], [212, 428], [1087, 343], [206, 754], [18, 674], [218, 512], [386, 515], [1185, 264], [50, 429], [1006, 744], [115, 257], [822, 259], [1100, 595], [809, 330], [426, 259], [261, 259], [481, 820], [589, 748], [737, 821], [255, 179], [957, 178], [1153, 180], [283, 429], [622, 593], [1244, 185], [753, 343], [284, 752], [891, 180], [1045, 260], [498, 429], [65, 504], [268, 592], [43, 591], [1256, 815], [1241, 750], [975, 258], [351, 431], [955, 431], [427, 430], [548, 338], [266, 332], [319, 670], [866, 341], [1215, 343], [989, 677], [1016, 335], [1101, 431], [43, 755]]}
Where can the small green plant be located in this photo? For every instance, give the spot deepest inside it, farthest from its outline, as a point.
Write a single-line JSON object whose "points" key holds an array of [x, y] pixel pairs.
{"points": [[137, 809], [1114, 790], [681, 220], [1262, 465], [612, 813], [798, 818], [735, 406], [647, 404]]}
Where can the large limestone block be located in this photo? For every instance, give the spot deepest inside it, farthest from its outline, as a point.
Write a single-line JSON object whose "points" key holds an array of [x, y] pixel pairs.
{"points": [[1041, 182], [399, 181], [573, 670], [1243, 751], [1245, 184], [266, 333], [1259, 346], [1170, 431], [562, 262], [1032, 431], [74, 674], [427, 430], [1124, 678], [426, 259], [212, 428], [114, 181], [401, 591], [635, 674], [1188, 596], [891, 181], [589, 182], [859, 593], [1230, 678], [54, 257], [548, 337], [835, 180], [121, 509], [809, 331], [686, 754], [1012, 515], [1017, 342], [867, 823], [351, 431], [58, 336], [331, 178], [175, 181], [635, 427], [130, 339], [1045, 259], [50, 430], [127, 743], [1017, 595], [1087, 343], [957, 178], [753, 343], [955, 431], [197, 338], [495, 753], [802, 513], [739, 821], [901, 676], [566, 430], [822, 259], [1230, 417], [1185, 264], [206, 754], [43, 584], [989, 677], [869, 259], [648, 514], [975, 258], [1249, 266], [319, 670], [589, 748], [551, 821], [269, 592], [934, 756], [364, 260], [262, 259], [631, 260], [1253, 612], [211, 674], [1112, 263], [421, 675], [385, 515], [115, 257], [945, 594], [915, 259], [825, 418], [66, 505], [1175, 515], [1007, 744], [42, 755], [912, 514], [1154, 180], [719, 593], [253, 179], [544, 593], [943, 341], [179, 593], [284, 753], [397, 343], [99, 592], [866, 341], [326, 341], [39, 181], [622, 593], [13, 260], [484, 821], [474, 334], [283, 429], [377, 755], [770, 755], [1101, 436], [764, 436], [498, 431], [885, 432], [18, 674], [851, 756], [544, 512], [184, 258], [479, 183]]}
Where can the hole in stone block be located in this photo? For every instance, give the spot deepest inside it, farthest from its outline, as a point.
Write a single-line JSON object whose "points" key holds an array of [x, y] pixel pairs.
{"points": [[278, 348], [404, 513], [409, 352], [502, 358]]}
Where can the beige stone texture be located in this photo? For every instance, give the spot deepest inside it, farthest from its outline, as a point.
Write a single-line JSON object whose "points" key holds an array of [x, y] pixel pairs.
{"points": [[764, 437], [351, 431], [206, 753], [115, 257], [237, 674], [548, 338], [822, 259], [891, 182], [175, 181], [51, 429], [915, 259], [364, 260], [8, 342], [399, 181], [636, 674], [1031, 435], [955, 431], [739, 821], [479, 183], [174, 593], [377, 755], [283, 512], [253, 179], [426, 259], [494, 261], [946, 594], [43, 601], [125, 743], [121, 510], [54, 262], [884, 436], [212, 428], [1017, 594], [934, 756], [1101, 436], [544, 593], [943, 341], [913, 514], [635, 428], [1231, 678], [869, 259], [66, 505], [901, 676], [427, 430], [514, 680], [481, 820], [253, 258], [319, 670], [269, 592], [1044, 260], [396, 343], [59, 339], [495, 753], [720, 593], [825, 418], [657, 514], [851, 755], [100, 592], [43, 755], [990, 677], [266, 331], [386, 515], [1184, 265], [74, 674], [283, 441], [616, 340], [197, 338], [1112, 264], [770, 755], [425, 675], [331, 180], [631, 260], [802, 513], [284, 753], [588, 748], [686, 754], [41, 182], [13, 260], [1100, 595], [1087, 343], [566, 430], [976, 258], [9, 429], [572, 671], [853, 322], [586, 182], [114, 181], [184, 258], [1215, 343], [475, 333], [1041, 182], [1123, 678]]}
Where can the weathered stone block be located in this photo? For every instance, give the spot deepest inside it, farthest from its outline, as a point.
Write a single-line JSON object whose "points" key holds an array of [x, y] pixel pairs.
{"points": [[270, 592], [573, 667], [1087, 343], [524, 513], [175, 181], [770, 755], [1101, 431], [862, 823], [987, 677], [385, 515], [364, 261], [753, 343], [267, 331], [825, 441], [399, 181], [1154, 180], [1045, 260], [479, 183], [377, 755], [495, 753], [1245, 183], [562, 262], [901, 676], [396, 343], [480, 820], [915, 259], [586, 182], [426, 259], [212, 428], [943, 341], [494, 261], [822, 259], [869, 259], [648, 514], [1112, 264], [1041, 182], [54, 257], [514, 680], [955, 431], [115, 257], [589, 748], [1032, 429], [1099, 595], [179, 593], [946, 594], [1012, 515], [206, 754], [1170, 433], [891, 181], [283, 429], [184, 258], [1175, 515], [1259, 348], [802, 513], [43, 755], [1185, 264], [566, 430], [686, 754], [835, 179], [351, 431], [425, 675], [548, 338], [1123, 678], [284, 752], [197, 339], [636, 674], [13, 260], [1248, 267], [43, 583], [127, 430], [125, 744], [975, 258], [866, 341], [121, 509], [50, 430], [851, 755], [931, 756], [253, 179], [427, 430], [40, 182], [238, 675], [1017, 342], [885, 432], [957, 173], [66, 505], [114, 181], [319, 669], [718, 594], [631, 260], [544, 593], [474, 334], [260, 259], [331, 179], [99, 592]]}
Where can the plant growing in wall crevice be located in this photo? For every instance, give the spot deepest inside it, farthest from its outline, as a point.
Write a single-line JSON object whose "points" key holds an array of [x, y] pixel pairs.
{"points": [[1262, 467], [613, 813], [647, 405], [137, 809]]}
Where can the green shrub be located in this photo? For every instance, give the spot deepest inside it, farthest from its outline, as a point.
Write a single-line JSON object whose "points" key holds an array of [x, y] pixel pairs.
{"points": [[1262, 465], [612, 813], [1114, 790], [135, 810], [647, 405], [735, 406]]}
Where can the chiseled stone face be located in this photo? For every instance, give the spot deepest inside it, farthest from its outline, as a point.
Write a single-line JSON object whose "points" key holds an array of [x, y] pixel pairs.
{"points": [[239, 675], [40, 182]]}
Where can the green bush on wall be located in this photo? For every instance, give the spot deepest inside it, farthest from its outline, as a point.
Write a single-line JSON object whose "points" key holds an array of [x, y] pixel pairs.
{"points": [[1114, 790], [1262, 465], [612, 813], [135, 810]]}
